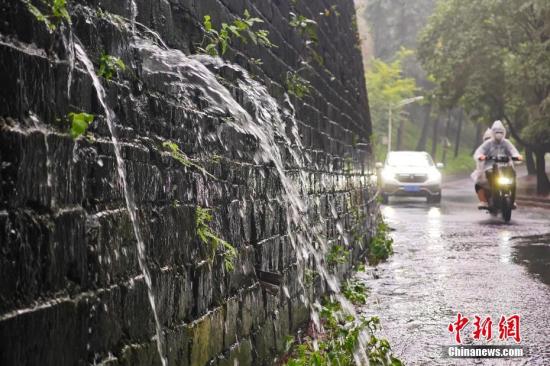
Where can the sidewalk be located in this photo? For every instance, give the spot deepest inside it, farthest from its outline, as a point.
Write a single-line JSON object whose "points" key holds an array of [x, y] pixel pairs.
{"points": [[527, 192]]}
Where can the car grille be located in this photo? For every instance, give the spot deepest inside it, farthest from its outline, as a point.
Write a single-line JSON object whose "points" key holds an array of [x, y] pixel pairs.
{"points": [[411, 178]]}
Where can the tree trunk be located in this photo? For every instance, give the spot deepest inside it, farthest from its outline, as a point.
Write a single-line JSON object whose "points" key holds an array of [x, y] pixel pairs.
{"points": [[435, 136], [458, 132], [400, 133], [445, 142], [543, 184], [477, 140], [530, 162], [421, 146]]}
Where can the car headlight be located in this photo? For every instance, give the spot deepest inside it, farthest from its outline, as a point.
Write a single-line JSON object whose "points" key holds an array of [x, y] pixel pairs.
{"points": [[504, 181], [388, 174], [434, 175]]}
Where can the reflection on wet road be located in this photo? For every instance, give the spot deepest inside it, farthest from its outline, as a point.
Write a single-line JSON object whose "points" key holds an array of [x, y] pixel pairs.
{"points": [[453, 258]]}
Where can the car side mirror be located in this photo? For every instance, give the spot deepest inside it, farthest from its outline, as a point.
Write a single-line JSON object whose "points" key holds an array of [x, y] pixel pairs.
{"points": [[379, 165], [439, 165]]}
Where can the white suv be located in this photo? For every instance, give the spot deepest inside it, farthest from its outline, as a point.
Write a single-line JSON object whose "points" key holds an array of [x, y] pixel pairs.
{"points": [[410, 173]]}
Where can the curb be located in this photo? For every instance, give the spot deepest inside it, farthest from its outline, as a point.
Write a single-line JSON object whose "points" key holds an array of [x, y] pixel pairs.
{"points": [[534, 201]]}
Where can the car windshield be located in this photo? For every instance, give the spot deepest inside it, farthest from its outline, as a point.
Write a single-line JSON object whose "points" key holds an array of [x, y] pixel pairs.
{"points": [[409, 159]]}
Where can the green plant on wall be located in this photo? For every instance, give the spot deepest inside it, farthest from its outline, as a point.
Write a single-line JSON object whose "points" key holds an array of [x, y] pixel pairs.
{"points": [[109, 66], [79, 123], [297, 85], [180, 156], [337, 255], [355, 291], [208, 237], [50, 12], [305, 26], [216, 42], [381, 244]]}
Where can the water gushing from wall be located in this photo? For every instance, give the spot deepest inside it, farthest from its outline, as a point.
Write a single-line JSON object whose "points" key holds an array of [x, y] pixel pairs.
{"points": [[258, 114], [128, 193]]}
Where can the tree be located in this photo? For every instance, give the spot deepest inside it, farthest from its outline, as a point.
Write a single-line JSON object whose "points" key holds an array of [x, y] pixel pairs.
{"points": [[387, 87], [492, 57]]}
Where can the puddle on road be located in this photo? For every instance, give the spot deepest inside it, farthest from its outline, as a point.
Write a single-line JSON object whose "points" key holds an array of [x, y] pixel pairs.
{"points": [[533, 253]]}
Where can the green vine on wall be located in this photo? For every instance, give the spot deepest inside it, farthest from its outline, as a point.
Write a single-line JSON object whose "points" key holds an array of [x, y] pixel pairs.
{"points": [[182, 158], [109, 66], [208, 237], [297, 85], [216, 42], [79, 123], [305, 26], [50, 12]]}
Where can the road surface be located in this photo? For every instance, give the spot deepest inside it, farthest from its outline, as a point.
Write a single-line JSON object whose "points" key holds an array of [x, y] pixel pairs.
{"points": [[452, 258]]}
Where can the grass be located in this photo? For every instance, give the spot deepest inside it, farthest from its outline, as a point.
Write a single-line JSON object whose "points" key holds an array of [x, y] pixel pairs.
{"points": [[381, 244], [463, 163]]}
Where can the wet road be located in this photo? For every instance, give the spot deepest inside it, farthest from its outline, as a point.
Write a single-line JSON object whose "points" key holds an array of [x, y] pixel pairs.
{"points": [[453, 258]]}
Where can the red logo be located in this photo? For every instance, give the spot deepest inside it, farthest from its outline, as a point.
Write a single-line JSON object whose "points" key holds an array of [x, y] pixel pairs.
{"points": [[508, 327]]}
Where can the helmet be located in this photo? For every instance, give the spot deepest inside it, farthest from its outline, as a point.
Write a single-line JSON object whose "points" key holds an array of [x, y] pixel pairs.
{"points": [[498, 130]]}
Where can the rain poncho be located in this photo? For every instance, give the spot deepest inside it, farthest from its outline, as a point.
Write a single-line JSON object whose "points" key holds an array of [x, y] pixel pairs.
{"points": [[496, 146], [479, 164]]}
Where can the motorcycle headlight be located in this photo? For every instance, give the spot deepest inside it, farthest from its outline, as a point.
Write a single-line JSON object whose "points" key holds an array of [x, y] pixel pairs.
{"points": [[504, 181]]}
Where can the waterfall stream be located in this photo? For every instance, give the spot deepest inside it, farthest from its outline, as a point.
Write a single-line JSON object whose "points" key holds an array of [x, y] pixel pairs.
{"points": [[128, 193], [259, 115]]}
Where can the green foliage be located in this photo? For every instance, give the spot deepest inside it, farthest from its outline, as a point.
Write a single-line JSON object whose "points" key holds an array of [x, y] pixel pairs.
{"points": [[50, 12], [492, 57], [338, 343], [380, 246], [216, 42], [79, 123], [461, 164], [305, 26], [310, 276], [180, 156], [355, 291], [387, 86], [207, 236], [337, 255], [297, 85], [109, 66]]}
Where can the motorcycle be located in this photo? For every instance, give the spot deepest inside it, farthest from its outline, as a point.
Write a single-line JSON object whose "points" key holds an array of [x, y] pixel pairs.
{"points": [[502, 186]]}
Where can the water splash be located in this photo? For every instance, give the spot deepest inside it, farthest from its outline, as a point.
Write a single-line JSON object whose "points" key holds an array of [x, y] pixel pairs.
{"points": [[273, 127], [128, 193], [133, 16]]}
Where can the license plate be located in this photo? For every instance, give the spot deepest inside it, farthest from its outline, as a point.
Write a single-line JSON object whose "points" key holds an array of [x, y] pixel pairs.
{"points": [[411, 188]]}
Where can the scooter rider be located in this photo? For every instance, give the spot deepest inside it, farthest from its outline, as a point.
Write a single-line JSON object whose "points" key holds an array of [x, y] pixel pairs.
{"points": [[498, 145], [479, 164]]}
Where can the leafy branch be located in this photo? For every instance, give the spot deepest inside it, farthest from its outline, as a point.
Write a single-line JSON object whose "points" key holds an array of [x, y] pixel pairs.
{"points": [[339, 340], [203, 217], [54, 12], [307, 27], [381, 244], [109, 66], [183, 159], [337, 255], [297, 85], [216, 42], [79, 123]]}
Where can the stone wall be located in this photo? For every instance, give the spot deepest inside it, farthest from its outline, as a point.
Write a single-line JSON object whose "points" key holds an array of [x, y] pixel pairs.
{"points": [[71, 290]]}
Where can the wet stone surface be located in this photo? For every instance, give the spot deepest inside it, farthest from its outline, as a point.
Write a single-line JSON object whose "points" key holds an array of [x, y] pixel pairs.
{"points": [[82, 281], [452, 258]]}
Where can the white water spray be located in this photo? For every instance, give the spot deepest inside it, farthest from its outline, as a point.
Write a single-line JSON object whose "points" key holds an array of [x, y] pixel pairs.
{"points": [[128, 194]]}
